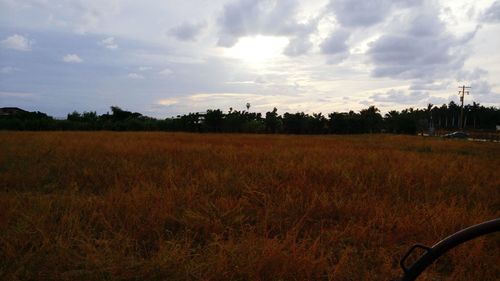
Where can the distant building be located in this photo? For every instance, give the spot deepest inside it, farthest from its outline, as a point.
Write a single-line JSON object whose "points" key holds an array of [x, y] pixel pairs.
{"points": [[7, 111]]}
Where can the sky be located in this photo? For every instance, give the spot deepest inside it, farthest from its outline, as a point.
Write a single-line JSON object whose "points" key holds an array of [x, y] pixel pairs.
{"points": [[165, 58]]}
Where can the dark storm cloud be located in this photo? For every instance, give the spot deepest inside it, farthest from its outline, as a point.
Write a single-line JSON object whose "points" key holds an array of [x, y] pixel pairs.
{"points": [[335, 46], [421, 48], [187, 31], [355, 15], [492, 14], [264, 17], [362, 13], [336, 43], [408, 57]]}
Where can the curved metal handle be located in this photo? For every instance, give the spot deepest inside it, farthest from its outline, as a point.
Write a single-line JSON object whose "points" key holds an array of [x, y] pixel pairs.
{"points": [[433, 253], [403, 260]]}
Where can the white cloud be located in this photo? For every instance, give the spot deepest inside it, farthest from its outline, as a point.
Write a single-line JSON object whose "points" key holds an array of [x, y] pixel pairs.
{"points": [[27, 3], [16, 95], [17, 42], [362, 13], [8, 69], [399, 96], [492, 14], [263, 17], [298, 46], [108, 43], [419, 46], [134, 75], [88, 15], [167, 102], [166, 72], [333, 48], [72, 58], [210, 96], [187, 31], [482, 91]]}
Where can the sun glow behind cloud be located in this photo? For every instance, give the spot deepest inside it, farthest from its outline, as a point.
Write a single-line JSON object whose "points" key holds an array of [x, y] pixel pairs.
{"points": [[311, 56], [258, 49]]}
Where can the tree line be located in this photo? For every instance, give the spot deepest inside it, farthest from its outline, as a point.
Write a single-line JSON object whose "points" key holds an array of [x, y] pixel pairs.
{"points": [[369, 120]]}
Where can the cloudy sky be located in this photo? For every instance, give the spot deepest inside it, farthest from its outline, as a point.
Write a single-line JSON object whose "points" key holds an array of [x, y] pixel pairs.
{"points": [[164, 58]]}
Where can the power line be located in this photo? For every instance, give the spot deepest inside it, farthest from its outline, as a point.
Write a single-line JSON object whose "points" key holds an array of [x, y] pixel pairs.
{"points": [[462, 93]]}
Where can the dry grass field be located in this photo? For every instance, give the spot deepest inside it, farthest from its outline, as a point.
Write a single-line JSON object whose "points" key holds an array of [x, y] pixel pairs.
{"points": [[174, 206]]}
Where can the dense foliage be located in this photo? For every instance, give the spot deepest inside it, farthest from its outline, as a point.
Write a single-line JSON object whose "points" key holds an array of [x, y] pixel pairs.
{"points": [[369, 120]]}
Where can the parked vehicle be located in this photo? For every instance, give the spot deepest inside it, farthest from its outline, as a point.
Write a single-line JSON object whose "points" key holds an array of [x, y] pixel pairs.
{"points": [[456, 135]]}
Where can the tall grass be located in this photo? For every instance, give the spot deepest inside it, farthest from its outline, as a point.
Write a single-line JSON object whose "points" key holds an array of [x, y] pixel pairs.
{"points": [[165, 206]]}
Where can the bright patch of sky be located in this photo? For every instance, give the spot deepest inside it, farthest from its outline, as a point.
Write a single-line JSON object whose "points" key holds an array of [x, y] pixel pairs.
{"points": [[165, 58]]}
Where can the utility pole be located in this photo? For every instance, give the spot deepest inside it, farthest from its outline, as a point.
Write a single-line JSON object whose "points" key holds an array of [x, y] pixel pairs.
{"points": [[462, 93]]}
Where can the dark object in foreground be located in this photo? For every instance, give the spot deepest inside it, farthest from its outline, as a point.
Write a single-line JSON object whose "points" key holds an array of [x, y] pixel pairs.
{"points": [[456, 135], [433, 253]]}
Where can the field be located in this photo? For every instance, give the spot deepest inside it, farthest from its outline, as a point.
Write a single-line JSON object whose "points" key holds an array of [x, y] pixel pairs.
{"points": [[168, 206]]}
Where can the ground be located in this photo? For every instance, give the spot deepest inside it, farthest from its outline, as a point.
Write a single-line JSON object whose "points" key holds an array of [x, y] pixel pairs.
{"points": [[175, 206]]}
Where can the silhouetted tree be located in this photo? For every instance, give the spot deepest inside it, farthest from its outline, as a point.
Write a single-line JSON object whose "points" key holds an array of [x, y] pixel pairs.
{"points": [[372, 119], [338, 123], [369, 120], [213, 120], [295, 123], [273, 122]]}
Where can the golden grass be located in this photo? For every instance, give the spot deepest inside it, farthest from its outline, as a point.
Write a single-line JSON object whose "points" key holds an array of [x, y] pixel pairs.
{"points": [[172, 206]]}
